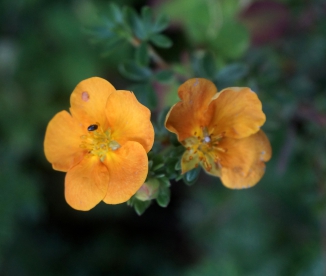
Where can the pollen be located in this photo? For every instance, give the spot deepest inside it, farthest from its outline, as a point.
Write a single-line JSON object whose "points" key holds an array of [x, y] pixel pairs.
{"points": [[99, 142], [205, 145]]}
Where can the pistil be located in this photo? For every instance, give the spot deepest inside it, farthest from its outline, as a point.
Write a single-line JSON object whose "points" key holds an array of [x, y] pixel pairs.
{"points": [[98, 142]]}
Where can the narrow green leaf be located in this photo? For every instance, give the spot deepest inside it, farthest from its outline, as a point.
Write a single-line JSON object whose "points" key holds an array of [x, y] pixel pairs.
{"points": [[161, 41], [178, 165], [160, 24], [134, 71], [150, 164], [147, 18], [163, 197], [141, 206], [228, 75], [165, 182], [142, 56], [114, 13], [135, 23], [158, 166]]}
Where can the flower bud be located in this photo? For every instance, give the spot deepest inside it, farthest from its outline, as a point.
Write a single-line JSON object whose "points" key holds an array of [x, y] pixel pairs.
{"points": [[148, 190]]}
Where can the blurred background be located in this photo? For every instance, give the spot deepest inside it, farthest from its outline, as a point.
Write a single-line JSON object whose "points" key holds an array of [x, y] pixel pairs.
{"points": [[278, 48]]}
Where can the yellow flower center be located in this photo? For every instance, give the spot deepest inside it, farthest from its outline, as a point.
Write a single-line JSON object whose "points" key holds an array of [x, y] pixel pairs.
{"points": [[98, 142], [206, 146]]}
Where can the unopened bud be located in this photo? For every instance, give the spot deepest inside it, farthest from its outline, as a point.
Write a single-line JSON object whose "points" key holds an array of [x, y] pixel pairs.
{"points": [[148, 190]]}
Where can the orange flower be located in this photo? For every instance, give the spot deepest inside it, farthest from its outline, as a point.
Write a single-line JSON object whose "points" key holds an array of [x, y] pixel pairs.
{"points": [[221, 132], [102, 144]]}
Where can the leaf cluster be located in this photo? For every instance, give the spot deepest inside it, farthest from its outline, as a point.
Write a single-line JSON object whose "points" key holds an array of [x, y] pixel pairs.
{"points": [[120, 25]]}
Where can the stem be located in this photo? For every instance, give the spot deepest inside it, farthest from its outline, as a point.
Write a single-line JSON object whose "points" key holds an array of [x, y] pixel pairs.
{"points": [[157, 59]]}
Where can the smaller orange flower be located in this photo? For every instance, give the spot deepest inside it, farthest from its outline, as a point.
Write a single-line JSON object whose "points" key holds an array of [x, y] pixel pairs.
{"points": [[102, 144], [221, 132]]}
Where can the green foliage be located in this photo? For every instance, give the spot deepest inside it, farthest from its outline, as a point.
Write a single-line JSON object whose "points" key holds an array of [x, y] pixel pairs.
{"points": [[205, 65], [134, 71], [211, 23], [125, 25], [140, 206], [275, 228], [191, 176]]}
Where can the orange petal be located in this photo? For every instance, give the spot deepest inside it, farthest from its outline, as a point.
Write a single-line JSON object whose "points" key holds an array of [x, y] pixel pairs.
{"points": [[86, 184], [237, 112], [129, 119], [128, 167], [188, 115], [62, 140], [88, 101], [243, 164]]}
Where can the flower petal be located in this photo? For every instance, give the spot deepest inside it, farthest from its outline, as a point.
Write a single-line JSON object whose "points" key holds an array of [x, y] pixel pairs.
{"points": [[129, 119], [62, 140], [243, 164], [88, 101], [237, 112], [188, 115], [189, 161], [86, 183], [128, 167]]}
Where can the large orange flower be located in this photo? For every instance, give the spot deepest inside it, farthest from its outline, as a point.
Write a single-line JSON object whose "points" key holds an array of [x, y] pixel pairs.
{"points": [[102, 144], [221, 132]]}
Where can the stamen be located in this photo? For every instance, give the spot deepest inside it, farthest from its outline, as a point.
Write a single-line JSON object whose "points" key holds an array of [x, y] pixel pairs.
{"points": [[98, 142], [221, 149]]}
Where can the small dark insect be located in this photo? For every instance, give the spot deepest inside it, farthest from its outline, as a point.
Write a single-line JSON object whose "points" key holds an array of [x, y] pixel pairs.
{"points": [[92, 127]]}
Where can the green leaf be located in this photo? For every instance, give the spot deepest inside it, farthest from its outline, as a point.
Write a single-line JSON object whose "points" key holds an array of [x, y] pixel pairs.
{"points": [[191, 177], [204, 64], [232, 40], [111, 45], [141, 206], [134, 71], [208, 64], [147, 18], [161, 117], [178, 165], [145, 94], [115, 13], [161, 41], [228, 75], [164, 76], [165, 182], [160, 24], [163, 197], [158, 166], [142, 56], [150, 164], [135, 23]]}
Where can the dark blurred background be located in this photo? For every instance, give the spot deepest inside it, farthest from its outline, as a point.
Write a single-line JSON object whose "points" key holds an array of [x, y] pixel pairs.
{"points": [[275, 228]]}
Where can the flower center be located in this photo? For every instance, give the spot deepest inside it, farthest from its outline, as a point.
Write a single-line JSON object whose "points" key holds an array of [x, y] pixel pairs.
{"points": [[98, 142], [206, 146]]}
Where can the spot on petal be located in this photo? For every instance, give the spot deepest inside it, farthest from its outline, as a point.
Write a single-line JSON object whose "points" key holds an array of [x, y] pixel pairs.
{"points": [[85, 96]]}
